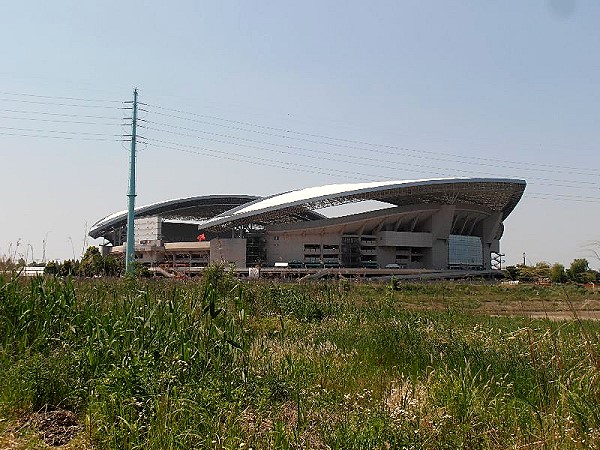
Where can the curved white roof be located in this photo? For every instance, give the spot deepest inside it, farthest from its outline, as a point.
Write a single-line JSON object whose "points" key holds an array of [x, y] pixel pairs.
{"points": [[498, 194], [305, 195], [198, 207]]}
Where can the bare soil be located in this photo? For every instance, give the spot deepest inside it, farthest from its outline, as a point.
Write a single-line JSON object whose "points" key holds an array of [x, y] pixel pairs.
{"points": [[537, 309], [55, 427]]}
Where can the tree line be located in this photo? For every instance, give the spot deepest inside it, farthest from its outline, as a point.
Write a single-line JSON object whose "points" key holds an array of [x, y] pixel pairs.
{"points": [[578, 272], [93, 264]]}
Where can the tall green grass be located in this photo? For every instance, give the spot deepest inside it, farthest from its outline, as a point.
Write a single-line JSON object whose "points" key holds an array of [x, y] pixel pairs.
{"points": [[223, 364]]}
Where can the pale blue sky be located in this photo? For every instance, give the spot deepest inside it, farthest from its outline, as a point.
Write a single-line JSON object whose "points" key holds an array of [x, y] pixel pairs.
{"points": [[447, 88]]}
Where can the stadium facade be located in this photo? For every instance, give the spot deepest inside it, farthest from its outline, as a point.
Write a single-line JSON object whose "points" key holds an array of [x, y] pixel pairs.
{"points": [[435, 224]]}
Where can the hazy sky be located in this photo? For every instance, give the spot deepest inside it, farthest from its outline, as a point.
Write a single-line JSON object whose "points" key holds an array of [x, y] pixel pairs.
{"points": [[258, 97]]}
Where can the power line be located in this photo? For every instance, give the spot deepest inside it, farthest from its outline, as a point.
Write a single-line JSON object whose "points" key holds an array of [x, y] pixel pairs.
{"points": [[351, 141], [22, 94], [35, 102], [78, 122], [58, 131], [280, 148], [566, 196], [290, 153], [206, 152], [203, 151], [262, 148], [262, 142], [46, 113], [59, 137], [386, 163], [553, 198], [413, 153]]}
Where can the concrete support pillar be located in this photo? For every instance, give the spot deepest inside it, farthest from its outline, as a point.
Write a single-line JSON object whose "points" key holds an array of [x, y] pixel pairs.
{"points": [[441, 226], [489, 242], [386, 255]]}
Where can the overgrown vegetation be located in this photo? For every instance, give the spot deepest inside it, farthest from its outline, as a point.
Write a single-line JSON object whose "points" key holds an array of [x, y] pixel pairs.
{"points": [[578, 272], [93, 264], [219, 364]]}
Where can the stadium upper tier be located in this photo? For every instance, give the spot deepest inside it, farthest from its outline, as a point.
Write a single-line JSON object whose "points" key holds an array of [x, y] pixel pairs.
{"points": [[495, 194]]}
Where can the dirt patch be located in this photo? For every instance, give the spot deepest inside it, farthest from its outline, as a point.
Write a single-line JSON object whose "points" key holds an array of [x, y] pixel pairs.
{"points": [[538, 309], [56, 427], [533, 308], [255, 424], [553, 315]]}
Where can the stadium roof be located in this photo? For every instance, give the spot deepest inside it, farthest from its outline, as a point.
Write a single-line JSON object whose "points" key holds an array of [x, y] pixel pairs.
{"points": [[496, 194], [191, 209], [218, 211]]}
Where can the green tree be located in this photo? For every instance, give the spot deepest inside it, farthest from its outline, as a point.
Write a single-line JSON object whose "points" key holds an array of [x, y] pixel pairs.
{"points": [[92, 263], [512, 272], [526, 273], [68, 267], [594, 276], [113, 266], [51, 268], [577, 272], [558, 274], [542, 270]]}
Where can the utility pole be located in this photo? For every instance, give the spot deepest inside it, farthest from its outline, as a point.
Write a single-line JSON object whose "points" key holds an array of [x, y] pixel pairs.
{"points": [[44, 247], [130, 250]]}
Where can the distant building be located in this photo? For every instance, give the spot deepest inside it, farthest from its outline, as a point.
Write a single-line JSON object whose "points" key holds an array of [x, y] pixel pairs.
{"points": [[435, 224]]}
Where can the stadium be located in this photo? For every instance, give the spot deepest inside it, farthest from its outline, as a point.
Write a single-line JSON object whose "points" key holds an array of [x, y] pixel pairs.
{"points": [[435, 224]]}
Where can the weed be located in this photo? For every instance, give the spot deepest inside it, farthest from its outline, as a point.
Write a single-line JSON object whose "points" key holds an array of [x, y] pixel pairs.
{"points": [[223, 364]]}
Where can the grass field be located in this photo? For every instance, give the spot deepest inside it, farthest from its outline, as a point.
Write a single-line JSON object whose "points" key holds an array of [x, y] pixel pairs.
{"points": [[124, 364]]}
